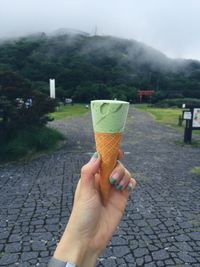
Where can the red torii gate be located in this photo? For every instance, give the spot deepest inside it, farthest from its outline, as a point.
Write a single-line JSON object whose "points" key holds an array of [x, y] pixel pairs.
{"points": [[142, 93]]}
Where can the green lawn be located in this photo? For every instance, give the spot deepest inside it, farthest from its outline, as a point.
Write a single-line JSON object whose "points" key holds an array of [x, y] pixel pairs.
{"points": [[196, 170], [168, 116], [69, 111]]}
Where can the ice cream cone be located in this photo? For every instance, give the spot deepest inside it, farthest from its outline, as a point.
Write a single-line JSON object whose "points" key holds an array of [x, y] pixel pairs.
{"points": [[107, 145], [109, 118]]}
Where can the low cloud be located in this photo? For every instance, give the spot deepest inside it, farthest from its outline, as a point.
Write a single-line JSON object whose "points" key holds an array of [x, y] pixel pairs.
{"points": [[171, 26]]}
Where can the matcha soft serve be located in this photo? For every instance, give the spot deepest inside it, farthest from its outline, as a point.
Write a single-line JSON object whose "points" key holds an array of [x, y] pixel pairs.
{"points": [[109, 115]]}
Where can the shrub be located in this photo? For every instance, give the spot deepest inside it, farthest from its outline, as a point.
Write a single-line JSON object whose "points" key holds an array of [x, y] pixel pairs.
{"points": [[177, 102], [29, 141], [20, 105]]}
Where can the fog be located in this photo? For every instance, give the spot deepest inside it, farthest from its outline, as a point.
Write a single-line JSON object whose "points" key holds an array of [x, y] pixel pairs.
{"points": [[171, 26]]}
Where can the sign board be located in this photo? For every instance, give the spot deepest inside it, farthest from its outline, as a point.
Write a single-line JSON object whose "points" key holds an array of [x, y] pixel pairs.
{"points": [[68, 100], [187, 115], [196, 118]]}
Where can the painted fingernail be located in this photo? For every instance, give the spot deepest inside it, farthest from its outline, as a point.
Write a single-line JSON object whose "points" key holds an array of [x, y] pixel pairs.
{"points": [[130, 187], [114, 177], [112, 180], [94, 157], [119, 187]]}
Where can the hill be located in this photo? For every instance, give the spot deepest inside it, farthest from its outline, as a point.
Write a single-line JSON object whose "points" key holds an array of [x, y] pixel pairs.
{"points": [[87, 67]]}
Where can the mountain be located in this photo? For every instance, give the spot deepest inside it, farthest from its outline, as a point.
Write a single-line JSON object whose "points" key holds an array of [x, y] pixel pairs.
{"points": [[88, 67]]}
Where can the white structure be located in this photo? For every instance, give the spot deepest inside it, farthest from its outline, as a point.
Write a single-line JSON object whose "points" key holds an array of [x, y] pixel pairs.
{"points": [[52, 88]]}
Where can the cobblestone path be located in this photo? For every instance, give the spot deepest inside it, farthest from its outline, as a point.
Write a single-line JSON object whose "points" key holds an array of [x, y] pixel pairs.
{"points": [[161, 225]]}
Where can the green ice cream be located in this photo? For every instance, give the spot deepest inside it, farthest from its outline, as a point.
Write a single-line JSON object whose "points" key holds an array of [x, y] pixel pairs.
{"points": [[109, 116]]}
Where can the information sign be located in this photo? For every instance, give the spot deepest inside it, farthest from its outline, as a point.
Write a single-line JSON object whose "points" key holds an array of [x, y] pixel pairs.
{"points": [[196, 118], [187, 115]]}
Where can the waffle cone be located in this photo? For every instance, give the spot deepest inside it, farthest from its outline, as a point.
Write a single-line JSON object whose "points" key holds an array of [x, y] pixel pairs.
{"points": [[107, 145]]}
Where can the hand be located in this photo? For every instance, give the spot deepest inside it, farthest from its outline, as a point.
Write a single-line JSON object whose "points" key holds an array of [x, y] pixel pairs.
{"points": [[91, 224]]}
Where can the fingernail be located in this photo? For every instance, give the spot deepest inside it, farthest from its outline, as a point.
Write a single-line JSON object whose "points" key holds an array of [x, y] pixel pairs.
{"points": [[114, 177], [119, 187], [94, 157], [130, 187], [112, 180]]}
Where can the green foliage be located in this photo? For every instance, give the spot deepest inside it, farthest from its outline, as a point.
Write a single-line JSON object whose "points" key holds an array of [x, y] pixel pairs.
{"points": [[177, 102], [20, 106], [29, 141], [90, 67]]}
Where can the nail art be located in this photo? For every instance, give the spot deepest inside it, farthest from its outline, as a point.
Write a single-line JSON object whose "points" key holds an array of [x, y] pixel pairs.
{"points": [[130, 187], [112, 180], [119, 187], [94, 157]]}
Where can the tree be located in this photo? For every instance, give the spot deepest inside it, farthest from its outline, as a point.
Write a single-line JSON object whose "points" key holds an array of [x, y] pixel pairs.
{"points": [[20, 105]]}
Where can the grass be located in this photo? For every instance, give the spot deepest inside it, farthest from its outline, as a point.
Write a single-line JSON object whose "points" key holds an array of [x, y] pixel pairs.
{"points": [[167, 116], [29, 141], [196, 170], [69, 111], [195, 143]]}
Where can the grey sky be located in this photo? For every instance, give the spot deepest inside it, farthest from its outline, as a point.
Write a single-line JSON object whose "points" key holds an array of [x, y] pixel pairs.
{"points": [[172, 26]]}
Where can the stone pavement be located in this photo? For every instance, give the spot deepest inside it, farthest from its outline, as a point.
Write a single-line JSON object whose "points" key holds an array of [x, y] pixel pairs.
{"points": [[161, 225]]}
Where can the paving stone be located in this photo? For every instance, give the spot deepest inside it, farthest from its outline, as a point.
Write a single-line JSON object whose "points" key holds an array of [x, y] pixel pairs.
{"points": [[154, 222], [150, 264], [152, 248], [140, 223], [182, 237], [129, 258], [186, 258], [109, 263], [140, 262], [15, 238], [140, 252], [169, 262], [26, 256], [8, 259], [44, 254], [119, 241], [120, 251], [38, 246], [183, 246], [160, 255], [132, 265], [13, 247], [195, 236], [160, 263], [147, 258]]}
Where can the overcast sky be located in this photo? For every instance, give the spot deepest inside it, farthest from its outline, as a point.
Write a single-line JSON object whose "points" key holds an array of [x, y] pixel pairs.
{"points": [[172, 26]]}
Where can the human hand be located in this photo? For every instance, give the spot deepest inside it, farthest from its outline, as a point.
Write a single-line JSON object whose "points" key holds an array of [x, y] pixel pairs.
{"points": [[91, 224]]}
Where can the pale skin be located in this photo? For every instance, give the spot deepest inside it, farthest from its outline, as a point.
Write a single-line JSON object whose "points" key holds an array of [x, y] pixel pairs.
{"points": [[91, 224]]}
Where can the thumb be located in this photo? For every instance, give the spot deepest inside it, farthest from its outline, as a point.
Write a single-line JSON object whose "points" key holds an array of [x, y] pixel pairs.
{"points": [[89, 170]]}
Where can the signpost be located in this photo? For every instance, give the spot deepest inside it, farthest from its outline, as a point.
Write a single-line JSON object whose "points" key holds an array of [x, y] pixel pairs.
{"points": [[192, 117]]}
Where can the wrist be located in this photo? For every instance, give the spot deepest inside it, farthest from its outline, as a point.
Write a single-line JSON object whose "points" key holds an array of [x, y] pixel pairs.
{"points": [[90, 259], [71, 249]]}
